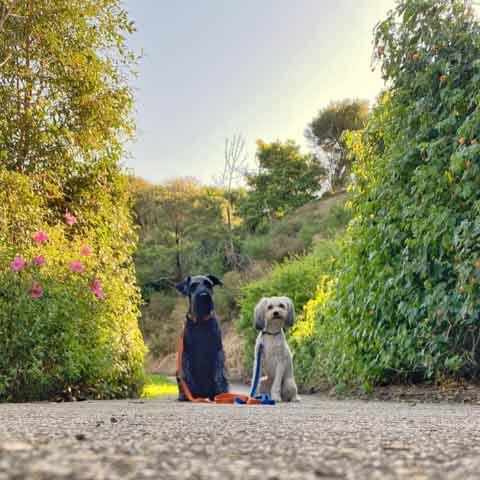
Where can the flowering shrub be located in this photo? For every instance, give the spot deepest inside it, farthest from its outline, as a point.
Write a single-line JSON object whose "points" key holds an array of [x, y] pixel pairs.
{"points": [[68, 315], [305, 340]]}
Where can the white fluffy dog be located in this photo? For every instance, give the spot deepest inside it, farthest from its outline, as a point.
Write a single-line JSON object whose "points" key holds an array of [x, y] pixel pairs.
{"points": [[271, 316]]}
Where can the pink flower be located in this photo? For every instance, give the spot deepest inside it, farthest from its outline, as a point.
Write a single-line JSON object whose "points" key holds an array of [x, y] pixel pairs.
{"points": [[76, 266], [85, 251], [70, 218], [36, 291], [18, 264], [40, 260], [40, 237], [96, 288], [99, 294]]}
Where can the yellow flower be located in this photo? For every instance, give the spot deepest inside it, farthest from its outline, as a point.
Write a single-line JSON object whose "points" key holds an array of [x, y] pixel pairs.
{"points": [[305, 327]]}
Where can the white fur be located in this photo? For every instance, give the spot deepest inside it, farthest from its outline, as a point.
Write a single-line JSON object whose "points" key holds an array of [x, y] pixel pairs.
{"points": [[277, 379]]}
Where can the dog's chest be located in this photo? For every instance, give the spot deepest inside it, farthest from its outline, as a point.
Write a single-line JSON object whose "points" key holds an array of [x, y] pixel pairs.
{"points": [[274, 351], [202, 343]]}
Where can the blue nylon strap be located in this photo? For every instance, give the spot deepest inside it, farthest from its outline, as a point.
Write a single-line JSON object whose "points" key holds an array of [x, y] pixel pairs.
{"points": [[265, 399], [256, 378]]}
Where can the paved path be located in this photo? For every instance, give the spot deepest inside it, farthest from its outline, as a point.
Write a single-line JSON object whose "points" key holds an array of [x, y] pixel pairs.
{"points": [[164, 439]]}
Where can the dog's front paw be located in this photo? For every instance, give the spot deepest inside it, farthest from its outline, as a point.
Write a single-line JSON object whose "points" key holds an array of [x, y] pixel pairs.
{"points": [[276, 397], [296, 399]]}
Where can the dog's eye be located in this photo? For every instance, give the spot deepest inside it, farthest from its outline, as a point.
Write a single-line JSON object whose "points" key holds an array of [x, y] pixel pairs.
{"points": [[193, 286], [281, 306], [270, 307]]}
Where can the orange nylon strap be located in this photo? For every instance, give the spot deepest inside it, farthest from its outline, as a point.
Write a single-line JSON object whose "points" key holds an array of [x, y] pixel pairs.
{"points": [[230, 398]]}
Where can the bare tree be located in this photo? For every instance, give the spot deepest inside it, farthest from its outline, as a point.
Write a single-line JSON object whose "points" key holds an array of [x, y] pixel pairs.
{"points": [[234, 170]]}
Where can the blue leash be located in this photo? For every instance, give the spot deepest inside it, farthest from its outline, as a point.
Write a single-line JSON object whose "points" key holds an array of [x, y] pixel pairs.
{"points": [[265, 399], [256, 376]]}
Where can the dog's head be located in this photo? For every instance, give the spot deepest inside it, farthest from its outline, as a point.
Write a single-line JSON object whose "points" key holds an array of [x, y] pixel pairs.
{"points": [[274, 313], [199, 290]]}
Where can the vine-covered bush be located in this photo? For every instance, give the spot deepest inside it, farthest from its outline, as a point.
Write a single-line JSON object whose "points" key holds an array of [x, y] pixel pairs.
{"points": [[68, 309], [405, 299]]}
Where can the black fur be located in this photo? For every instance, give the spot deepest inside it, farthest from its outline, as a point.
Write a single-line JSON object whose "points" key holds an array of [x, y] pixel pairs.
{"points": [[203, 361]]}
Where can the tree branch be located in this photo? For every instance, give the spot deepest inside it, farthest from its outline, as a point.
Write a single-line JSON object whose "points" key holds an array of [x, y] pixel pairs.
{"points": [[7, 13], [9, 56]]}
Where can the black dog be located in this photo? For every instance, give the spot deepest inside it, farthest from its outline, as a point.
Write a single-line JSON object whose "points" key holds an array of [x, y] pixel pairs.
{"points": [[203, 360]]}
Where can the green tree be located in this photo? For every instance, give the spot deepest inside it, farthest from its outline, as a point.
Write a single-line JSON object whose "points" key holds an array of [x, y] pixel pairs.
{"points": [[286, 179], [406, 300], [182, 230], [326, 135], [66, 113], [64, 89]]}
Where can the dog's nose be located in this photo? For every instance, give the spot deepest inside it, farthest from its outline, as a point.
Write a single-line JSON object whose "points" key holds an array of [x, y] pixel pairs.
{"points": [[276, 313]]}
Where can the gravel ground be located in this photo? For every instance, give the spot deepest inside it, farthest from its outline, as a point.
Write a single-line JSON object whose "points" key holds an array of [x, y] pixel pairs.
{"points": [[165, 439]]}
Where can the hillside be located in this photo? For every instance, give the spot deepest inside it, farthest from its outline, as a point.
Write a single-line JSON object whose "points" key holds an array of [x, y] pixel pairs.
{"points": [[293, 236], [297, 232]]}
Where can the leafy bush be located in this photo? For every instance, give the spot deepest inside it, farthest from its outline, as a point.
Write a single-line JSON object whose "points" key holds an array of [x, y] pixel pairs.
{"points": [[258, 246], [68, 315], [405, 300], [297, 279]]}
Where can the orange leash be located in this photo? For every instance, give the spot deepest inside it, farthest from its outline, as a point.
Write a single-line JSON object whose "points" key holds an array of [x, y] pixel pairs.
{"points": [[183, 384], [226, 398]]}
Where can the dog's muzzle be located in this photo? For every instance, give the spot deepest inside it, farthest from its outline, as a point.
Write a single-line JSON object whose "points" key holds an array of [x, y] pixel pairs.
{"points": [[202, 304]]}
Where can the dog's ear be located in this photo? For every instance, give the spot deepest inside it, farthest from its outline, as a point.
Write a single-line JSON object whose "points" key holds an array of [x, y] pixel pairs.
{"points": [[216, 281], [290, 313], [259, 314], [184, 287]]}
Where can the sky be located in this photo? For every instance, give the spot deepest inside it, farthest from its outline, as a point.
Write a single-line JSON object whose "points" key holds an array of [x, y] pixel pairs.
{"points": [[261, 68]]}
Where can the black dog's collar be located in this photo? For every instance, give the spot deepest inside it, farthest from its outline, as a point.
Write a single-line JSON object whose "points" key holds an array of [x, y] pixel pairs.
{"points": [[264, 332], [194, 319]]}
